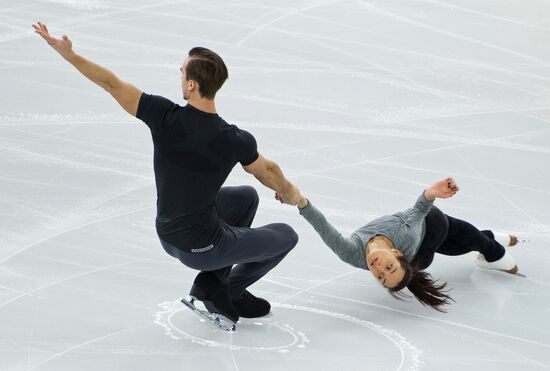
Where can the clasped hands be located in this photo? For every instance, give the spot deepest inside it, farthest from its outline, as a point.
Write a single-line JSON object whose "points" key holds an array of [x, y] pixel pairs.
{"points": [[290, 196]]}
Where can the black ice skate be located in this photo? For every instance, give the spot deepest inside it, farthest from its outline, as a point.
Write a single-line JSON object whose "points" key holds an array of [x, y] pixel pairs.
{"points": [[249, 306], [215, 298], [218, 320]]}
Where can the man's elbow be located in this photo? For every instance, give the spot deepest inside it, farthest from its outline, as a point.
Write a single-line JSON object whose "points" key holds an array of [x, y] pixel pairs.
{"points": [[113, 85], [105, 85]]}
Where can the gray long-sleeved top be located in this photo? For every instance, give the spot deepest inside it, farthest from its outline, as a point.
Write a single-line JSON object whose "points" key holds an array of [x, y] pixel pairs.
{"points": [[405, 230]]}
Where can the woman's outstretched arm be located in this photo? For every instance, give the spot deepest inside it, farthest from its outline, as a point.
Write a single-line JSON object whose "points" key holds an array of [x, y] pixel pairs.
{"points": [[444, 188], [348, 249]]}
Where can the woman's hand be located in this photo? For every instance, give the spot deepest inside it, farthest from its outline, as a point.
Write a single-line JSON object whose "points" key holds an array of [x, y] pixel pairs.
{"points": [[445, 188], [290, 196], [303, 202], [63, 46]]}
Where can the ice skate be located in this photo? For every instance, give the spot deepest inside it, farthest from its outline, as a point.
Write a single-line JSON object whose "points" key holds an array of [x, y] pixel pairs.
{"points": [[506, 263], [508, 240], [218, 320], [208, 290], [250, 306]]}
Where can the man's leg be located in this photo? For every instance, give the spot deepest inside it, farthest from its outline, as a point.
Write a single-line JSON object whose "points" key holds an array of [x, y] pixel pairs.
{"points": [[237, 207], [255, 251], [276, 240], [463, 238]]}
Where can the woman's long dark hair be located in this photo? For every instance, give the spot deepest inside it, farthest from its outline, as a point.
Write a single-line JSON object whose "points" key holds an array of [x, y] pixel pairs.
{"points": [[422, 286]]}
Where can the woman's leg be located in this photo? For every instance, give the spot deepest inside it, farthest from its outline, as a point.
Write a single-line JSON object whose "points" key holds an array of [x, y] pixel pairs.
{"points": [[463, 238], [437, 227]]}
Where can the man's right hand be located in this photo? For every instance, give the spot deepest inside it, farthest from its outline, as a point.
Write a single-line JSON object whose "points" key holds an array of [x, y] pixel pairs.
{"points": [[63, 46], [291, 195]]}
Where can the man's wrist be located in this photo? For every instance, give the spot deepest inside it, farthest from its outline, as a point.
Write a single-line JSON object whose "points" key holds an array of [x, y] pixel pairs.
{"points": [[70, 56]]}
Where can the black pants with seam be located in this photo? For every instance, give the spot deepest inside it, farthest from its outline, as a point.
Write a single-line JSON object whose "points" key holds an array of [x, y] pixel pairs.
{"points": [[243, 254]]}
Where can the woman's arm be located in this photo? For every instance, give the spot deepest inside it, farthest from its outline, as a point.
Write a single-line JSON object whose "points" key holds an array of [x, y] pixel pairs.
{"points": [[347, 249], [444, 188], [303, 202]]}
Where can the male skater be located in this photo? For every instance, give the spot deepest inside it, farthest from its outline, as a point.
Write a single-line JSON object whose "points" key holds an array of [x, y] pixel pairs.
{"points": [[203, 225]]}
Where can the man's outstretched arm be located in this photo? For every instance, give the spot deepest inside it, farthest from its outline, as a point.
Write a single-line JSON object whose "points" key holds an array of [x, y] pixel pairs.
{"points": [[125, 93]]}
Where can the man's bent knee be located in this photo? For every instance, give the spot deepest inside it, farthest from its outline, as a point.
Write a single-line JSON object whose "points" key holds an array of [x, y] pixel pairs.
{"points": [[289, 234], [251, 193]]}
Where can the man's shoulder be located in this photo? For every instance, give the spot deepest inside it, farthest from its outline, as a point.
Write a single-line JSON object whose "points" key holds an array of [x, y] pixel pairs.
{"points": [[154, 100], [153, 109]]}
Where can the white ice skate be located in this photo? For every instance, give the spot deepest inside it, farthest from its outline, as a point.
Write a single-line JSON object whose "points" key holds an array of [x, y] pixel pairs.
{"points": [[505, 264], [508, 240], [218, 320]]}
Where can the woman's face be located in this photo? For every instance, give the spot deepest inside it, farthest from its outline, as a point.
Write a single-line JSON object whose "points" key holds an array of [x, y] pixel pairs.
{"points": [[385, 267]]}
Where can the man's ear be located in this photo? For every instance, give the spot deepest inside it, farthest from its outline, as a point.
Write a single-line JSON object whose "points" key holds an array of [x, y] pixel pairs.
{"points": [[193, 85], [396, 252]]}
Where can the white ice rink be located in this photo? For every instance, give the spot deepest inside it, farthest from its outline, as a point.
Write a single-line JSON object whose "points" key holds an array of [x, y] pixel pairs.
{"points": [[362, 103]]}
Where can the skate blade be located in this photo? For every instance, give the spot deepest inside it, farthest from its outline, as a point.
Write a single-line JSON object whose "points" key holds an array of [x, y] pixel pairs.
{"points": [[519, 241], [516, 274], [218, 320]]}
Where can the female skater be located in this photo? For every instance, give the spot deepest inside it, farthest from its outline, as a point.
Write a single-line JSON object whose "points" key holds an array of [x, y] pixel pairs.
{"points": [[397, 248]]}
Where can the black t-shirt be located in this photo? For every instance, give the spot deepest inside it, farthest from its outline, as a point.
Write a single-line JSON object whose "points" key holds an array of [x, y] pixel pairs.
{"points": [[194, 152]]}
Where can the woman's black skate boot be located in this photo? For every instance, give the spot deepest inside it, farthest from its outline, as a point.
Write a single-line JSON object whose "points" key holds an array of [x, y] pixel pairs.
{"points": [[249, 306]]}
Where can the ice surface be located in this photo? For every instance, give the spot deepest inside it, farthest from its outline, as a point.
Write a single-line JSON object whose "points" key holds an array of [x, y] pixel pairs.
{"points": [[362, 103]]}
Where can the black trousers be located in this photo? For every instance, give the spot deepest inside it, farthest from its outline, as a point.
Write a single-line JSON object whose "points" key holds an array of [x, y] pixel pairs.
{"points": [[243, 255], [451, 236]]}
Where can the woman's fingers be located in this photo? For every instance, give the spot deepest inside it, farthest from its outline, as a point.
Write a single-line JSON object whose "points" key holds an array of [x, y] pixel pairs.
{"points": [[451, 183]]}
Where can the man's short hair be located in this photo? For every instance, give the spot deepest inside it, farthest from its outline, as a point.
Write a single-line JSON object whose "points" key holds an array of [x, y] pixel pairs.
{"points": [[208, 69]]}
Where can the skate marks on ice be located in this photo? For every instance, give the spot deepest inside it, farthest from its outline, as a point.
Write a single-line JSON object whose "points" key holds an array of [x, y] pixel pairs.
{"points": [[85, 5], [269, 335], [179, 323]]}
